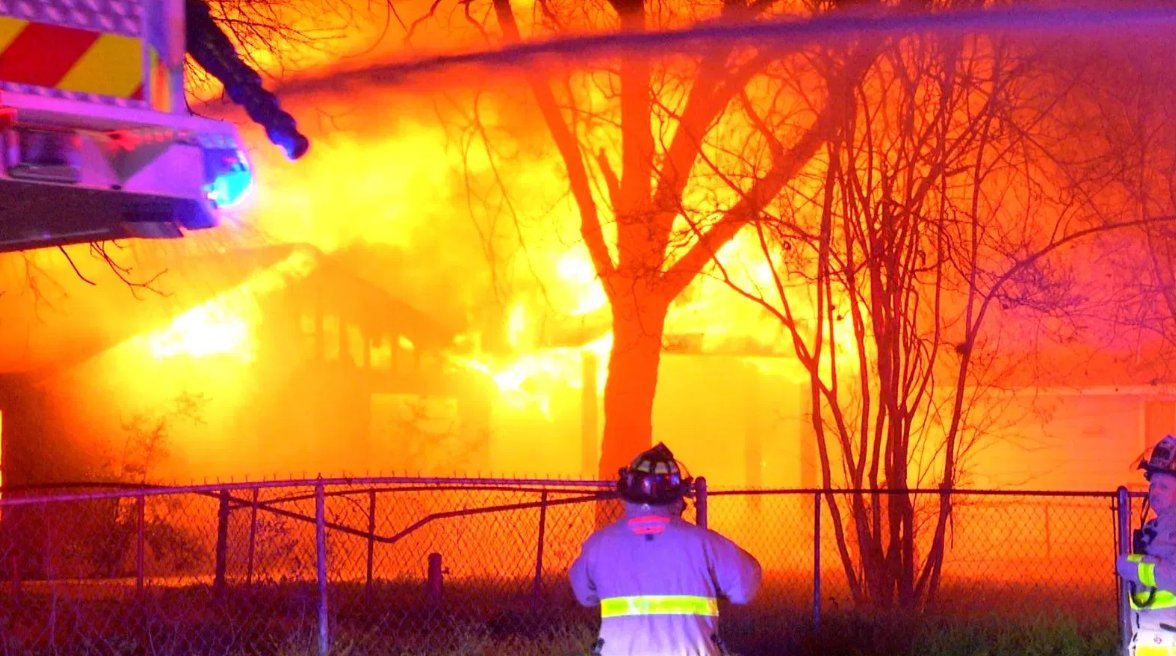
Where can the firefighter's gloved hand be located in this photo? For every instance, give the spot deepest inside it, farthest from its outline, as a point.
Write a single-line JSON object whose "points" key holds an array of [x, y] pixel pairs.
{"points": [[1127, 568]]}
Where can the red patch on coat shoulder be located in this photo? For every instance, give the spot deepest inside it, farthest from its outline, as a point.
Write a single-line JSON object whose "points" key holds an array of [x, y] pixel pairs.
{"points": [[648, 524]]}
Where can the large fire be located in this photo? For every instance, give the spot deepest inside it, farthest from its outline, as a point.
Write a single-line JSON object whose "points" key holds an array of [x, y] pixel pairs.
{"points": [[383, 173], [223, 324], [447, 205], [204, 331]]}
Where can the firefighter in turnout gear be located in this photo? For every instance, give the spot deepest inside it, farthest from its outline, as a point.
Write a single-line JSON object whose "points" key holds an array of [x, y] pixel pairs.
{"points": [[656, 577], [1150, 569]]}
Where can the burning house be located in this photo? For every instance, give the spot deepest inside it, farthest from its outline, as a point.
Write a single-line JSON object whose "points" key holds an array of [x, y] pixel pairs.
{"points": [[287, 368], [287, 363]]}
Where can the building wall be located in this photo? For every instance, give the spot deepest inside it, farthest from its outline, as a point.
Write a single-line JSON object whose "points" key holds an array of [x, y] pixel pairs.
{"points": [[1073, 439], [740, 422]]}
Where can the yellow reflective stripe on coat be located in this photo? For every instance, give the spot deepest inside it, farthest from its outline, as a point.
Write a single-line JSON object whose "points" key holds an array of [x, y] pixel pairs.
{"points": [[1147, 574], [659, 605], [1162, 599], [1153, 650]]}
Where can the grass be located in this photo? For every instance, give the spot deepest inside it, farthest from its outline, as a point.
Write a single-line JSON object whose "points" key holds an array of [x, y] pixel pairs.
{"points": [[846, 634], [502, 620], [910, 634]]}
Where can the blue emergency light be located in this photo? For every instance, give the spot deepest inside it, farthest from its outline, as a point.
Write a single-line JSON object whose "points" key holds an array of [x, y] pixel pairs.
{"points": [[228, 175]]}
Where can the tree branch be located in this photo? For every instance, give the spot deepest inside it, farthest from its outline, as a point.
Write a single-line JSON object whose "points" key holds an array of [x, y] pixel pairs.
{"points": [[751, 203], [569, 150]]}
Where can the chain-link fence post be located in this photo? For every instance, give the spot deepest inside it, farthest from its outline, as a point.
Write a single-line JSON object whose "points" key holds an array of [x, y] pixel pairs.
{"points": [[537, 589], [252, 540], [50, 571], [222, 542], [700, 501], [371, 538], [817, 559], [320, 541], [1123, 516], [140, 520], [433, 581]]}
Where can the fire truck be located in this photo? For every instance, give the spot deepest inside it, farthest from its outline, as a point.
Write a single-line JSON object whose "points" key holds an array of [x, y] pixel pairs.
{"points": [[97, 140]]}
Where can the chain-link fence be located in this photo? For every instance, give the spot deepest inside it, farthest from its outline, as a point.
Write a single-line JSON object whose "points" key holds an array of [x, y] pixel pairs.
{"points": [[1003, 551], [414, 566]]}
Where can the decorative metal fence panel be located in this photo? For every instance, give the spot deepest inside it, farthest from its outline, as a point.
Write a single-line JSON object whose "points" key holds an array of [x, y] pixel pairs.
{"points": [[416, 566]]}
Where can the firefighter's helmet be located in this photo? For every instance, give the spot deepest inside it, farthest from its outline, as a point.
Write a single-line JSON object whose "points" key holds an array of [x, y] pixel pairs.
{"points": [[1162, 459], [654, 477]]}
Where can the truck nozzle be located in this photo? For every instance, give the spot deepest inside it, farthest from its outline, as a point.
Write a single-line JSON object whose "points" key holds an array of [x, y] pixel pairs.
{"points": [[214, 52]]}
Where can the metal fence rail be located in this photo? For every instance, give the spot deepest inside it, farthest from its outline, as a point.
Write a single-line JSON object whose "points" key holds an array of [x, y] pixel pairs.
{"points": [[421, 565]]}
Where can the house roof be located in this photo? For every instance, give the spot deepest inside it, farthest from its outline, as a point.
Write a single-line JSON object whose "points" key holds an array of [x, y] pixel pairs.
{"points": [[347, 294], [67, 318], [92, 318]]}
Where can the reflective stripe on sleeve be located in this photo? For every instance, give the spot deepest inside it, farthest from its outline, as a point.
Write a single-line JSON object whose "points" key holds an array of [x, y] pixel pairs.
{"points": [[1147, 574], [1162, 599], [659, 605]]}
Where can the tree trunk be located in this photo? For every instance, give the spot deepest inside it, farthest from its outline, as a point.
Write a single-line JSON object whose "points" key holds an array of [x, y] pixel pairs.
{"points": [[639, 319]]}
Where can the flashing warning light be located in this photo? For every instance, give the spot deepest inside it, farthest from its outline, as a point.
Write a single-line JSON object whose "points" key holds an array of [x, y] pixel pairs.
{"points": [[228, 175]]}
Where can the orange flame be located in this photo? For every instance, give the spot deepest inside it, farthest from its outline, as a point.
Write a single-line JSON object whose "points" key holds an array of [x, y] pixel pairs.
{"points": [[223, 326], [528, 379], [204, 331]]}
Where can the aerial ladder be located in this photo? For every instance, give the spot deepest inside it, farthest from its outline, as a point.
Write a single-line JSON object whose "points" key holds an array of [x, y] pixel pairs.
{"points": [[97, 141]]}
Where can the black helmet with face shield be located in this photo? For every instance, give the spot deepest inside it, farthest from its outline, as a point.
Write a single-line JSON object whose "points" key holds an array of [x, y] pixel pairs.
{"points": [[1162, 459], [654, 477]]}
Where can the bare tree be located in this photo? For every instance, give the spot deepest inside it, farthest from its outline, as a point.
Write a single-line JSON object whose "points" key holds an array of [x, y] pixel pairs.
{"points": [[1141, 145], [634, 133], [946, 206]]}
